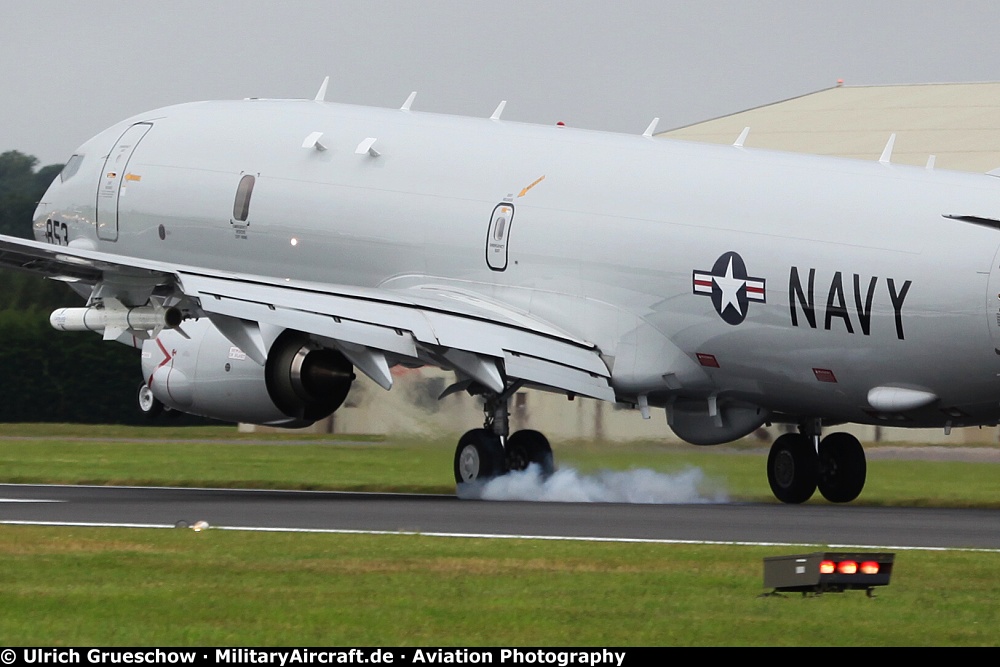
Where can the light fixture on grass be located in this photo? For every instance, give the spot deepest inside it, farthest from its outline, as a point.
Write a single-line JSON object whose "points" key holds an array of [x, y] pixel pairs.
{"points": [[828, 572]]}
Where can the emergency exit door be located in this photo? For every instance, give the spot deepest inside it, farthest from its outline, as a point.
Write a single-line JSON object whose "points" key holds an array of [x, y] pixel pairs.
{"points": [[496, 237]]}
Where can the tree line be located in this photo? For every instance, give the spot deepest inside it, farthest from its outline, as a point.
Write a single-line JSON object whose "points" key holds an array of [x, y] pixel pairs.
{"points": [[48, 375]]}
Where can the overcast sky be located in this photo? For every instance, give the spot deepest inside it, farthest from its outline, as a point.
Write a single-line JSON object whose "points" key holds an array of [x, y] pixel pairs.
{"points": [[69, 69]]}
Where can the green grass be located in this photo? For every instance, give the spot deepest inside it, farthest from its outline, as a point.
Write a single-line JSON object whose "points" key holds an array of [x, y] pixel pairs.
{"points": [[74, 586], [120, 432], [221, 457], [741, 471], [309, 464], [103, 586]]}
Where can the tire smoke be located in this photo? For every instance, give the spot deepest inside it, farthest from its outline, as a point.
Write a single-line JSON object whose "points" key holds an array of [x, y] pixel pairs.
{"points": [[567, 485]]}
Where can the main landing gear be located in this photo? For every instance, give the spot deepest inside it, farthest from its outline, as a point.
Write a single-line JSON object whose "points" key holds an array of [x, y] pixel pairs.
{"points": [[799, 463], [488, 452]]}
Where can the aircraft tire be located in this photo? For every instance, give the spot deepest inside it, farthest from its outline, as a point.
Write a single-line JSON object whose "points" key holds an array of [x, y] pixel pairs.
{"points": [[527, 447], [149, 405], [792, 468], [842, 468], [478, 457]]}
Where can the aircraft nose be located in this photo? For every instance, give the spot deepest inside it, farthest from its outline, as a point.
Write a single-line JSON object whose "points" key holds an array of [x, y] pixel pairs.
{"points": [[44, 209]]}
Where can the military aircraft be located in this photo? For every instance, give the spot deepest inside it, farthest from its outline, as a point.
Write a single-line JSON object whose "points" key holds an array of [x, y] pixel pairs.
{"points": [[263, 252]]}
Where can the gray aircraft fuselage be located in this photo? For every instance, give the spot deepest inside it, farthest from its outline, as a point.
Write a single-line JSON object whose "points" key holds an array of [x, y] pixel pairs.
{"points": [[794, 283]]}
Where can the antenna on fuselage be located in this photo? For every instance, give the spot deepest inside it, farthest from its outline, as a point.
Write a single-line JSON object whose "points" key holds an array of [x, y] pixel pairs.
{"points": [[408, 102], [321, 94], [887, 151], [742, 138], [499, 110], [652, 128]]}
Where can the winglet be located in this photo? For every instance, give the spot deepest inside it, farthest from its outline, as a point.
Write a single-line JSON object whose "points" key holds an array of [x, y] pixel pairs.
{"points": [[742, 138], [408, 102], [499, 110], [652, 128], [887, 151], [321, 94]]}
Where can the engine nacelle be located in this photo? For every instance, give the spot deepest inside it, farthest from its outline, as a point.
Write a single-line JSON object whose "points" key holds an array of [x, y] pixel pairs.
{"points": [[207, 375]]}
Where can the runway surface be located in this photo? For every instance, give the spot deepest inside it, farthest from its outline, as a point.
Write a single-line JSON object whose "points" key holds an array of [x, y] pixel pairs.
{"points": [[831, 525]]}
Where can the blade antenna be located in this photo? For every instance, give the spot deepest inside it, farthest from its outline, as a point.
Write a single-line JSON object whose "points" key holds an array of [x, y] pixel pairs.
{"points": [[321, 93], [887, 151], [740, 140], [499, 110]]}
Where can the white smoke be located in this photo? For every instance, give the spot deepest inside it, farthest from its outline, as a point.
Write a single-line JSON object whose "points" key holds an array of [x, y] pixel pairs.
{"points": [[567, 485]]}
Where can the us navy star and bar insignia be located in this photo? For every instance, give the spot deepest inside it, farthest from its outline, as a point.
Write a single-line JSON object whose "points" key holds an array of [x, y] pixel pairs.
{"points": [[730, 287]]}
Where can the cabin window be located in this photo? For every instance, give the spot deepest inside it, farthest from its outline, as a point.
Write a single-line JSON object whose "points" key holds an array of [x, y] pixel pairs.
{"points": [[241, 207], [71, 167]]}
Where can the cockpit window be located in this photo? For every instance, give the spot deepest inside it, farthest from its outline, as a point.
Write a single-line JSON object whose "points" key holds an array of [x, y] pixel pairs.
{"points": [[71, 167]]}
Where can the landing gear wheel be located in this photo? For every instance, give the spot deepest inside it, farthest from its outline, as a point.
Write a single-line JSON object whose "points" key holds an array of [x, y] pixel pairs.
{"points": [[478, 457], [842, 467], [527, 447], [149, 405], [792, 468]]}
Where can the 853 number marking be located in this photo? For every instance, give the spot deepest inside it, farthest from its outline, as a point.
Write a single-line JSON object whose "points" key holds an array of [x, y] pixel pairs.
{"points": [[56, 232]]}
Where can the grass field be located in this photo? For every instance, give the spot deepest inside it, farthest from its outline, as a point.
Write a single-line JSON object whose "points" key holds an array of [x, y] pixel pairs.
{"points": [[221, 457], [103, 586], [72, 586]]}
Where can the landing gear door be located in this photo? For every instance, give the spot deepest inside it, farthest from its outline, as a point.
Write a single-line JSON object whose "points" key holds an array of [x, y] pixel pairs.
{"points": [[496, 239], [113, 178]]}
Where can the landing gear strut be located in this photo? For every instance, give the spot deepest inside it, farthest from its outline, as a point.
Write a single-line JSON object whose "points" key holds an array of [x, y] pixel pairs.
{"points": [[488, 452], [798, 463]]}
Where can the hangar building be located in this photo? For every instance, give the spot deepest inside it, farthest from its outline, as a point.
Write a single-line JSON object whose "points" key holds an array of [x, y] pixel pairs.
{"points": [[959, 123]]}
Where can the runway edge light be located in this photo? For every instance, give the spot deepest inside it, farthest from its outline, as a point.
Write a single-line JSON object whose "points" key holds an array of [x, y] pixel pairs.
{"points": [[828, 572]]}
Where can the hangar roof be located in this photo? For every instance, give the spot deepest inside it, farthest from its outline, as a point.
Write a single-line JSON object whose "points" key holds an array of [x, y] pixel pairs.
{"points": [[959, 123]]}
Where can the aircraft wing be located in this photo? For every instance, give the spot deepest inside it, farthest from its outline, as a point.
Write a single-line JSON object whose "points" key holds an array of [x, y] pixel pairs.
{"points": [[482, 341]]}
